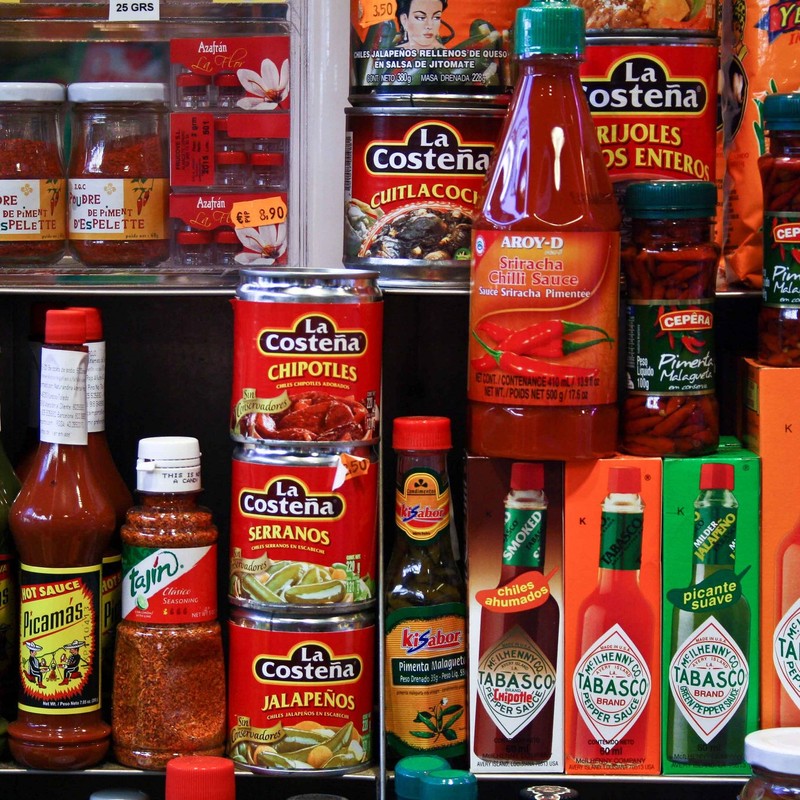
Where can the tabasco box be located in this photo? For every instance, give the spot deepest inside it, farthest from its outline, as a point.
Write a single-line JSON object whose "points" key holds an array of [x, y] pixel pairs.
{"points": [[710, 636], [612, 572], [516, 621], [772, 424]]}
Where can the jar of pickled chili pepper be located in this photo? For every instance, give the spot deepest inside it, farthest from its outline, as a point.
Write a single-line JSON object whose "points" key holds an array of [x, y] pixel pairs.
{"points": [[670, 266], [779, 318]]}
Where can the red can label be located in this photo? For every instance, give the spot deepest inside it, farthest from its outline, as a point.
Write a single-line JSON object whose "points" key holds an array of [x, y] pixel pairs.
{"points": [[300, 699], [304, 535], [306, 372], [655, 108]]}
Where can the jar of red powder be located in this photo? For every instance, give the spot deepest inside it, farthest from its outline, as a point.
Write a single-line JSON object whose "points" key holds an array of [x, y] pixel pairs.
{"points": [[32, 185], [118, 174]]}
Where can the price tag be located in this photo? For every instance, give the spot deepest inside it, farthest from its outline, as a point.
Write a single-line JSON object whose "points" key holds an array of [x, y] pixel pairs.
{"points": [[375, 11], [133, 10], [349, 467], [255, 213]]}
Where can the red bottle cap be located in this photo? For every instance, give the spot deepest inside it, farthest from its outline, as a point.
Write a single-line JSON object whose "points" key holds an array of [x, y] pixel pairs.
{"points": [[624, 480], [200, 778], [65, 326], [421, 433], [527, 476], [94, 322], [716, 476]]}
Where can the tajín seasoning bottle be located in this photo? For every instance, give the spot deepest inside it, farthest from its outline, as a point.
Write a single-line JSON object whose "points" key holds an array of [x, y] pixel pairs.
{"points": [[542, 380], [62, 522]]}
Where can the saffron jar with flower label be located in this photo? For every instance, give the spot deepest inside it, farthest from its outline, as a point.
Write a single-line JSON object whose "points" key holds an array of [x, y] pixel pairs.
{"points": [[32, 190], [118, 174]]}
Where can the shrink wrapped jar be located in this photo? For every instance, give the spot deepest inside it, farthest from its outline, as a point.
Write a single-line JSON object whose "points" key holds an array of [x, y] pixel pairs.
{"points": [[118, 174], [670, 269]]}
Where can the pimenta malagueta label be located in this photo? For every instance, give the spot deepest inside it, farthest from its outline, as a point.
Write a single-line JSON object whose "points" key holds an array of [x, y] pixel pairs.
{"points": [[781, 268]]}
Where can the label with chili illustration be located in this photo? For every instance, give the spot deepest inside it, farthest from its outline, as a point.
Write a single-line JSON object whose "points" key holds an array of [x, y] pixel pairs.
{"points": [[59, 639], [786, 652], [300, 692], [422, 505], [303, 530], [781, 259], [33, 210], [117, 208], [543, 318], [169, 586]]}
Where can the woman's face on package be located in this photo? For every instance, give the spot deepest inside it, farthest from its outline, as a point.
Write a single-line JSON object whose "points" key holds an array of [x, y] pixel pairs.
{"points": [[421, 24]]}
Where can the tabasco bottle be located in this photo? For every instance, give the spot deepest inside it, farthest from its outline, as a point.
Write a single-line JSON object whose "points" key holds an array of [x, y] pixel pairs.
{"points": [[518, 648], [62, 521], [425, 666], [617, 636], [786, 635], [542, 377], [708, 671]]}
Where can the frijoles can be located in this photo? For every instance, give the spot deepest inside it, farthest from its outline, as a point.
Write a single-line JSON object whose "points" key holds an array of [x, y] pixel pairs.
{"points": [[300, 692], [303, 530], [412, 182], [429, 50], [307, 357]]}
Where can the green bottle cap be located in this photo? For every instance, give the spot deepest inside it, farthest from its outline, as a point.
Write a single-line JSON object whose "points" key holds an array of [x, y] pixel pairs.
{"points": [[449, 784], [550, 27], [671, 199], [782, 112], [408, 773]]}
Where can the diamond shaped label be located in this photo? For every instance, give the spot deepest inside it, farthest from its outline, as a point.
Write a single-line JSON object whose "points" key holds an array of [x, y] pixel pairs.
{"points": [[708, 677], [786, 652], [611, 684]]}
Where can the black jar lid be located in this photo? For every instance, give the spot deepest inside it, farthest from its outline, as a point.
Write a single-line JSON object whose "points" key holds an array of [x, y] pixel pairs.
{"points": [[671, 199], [547, 792], [782, 112]]}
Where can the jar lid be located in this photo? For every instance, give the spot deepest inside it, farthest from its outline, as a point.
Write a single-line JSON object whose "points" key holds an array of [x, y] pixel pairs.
{"points": [[671, 199], [193, 237], [409, 770], [192, 79], [261, 159], [775, 749], [197, 777], [226, 236], [550, 27], [32, 92], [232, 157], [547, 792], [228, 79], [421, 433], [168, 465], [65, 326], [449, 784], [117, 92], [94, 322], [782, 112]]}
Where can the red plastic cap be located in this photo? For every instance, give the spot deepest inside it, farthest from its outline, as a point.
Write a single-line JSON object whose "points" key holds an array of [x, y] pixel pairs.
{"points": [[94, 322], [200, 778], [421, 433], [527, 475], [716, 476], [65, 326], [624, 480]]}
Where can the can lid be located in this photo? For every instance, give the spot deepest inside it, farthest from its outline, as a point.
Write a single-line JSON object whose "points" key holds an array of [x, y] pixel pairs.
{"points": [[409, 770], [116, 92], [449, 784], [624, 480], [716, 476], [547, 792], [775, 749], [671, 199], [527, 476], [550, 27], [11, 92], [65, 326], [421, 433], [200, 778], [94, 322], [782, 111], [168, 464]]}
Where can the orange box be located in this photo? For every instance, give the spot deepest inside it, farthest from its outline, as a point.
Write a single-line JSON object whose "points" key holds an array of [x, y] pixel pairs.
{"points": [[772, 429], [612, 616]]}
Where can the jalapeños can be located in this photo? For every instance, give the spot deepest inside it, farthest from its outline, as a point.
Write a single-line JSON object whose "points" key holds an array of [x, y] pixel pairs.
{"points": [[303, 529], [300, 691], [642, 17], [307, 357], [412, 183], [431, 49]]}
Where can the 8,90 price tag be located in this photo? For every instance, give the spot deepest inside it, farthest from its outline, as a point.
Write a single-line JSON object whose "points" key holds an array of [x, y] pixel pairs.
{"points": [[133, 10], [374, 11], [255, 213]]}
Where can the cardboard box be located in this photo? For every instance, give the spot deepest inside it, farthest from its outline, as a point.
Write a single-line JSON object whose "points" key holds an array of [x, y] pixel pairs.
{"points": [[710, 635], [612, 654], [520, 680], [772, 429]]}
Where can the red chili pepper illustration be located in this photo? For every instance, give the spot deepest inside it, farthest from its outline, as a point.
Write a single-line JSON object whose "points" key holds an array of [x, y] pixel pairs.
{"points": [[693, 344], [534, 339]]}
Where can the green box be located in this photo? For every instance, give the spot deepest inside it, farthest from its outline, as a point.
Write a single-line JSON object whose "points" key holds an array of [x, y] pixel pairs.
{"points": [[707, 595]]}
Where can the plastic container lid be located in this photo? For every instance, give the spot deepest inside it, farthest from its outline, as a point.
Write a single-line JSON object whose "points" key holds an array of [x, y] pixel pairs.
{"points": [[260, 159], [228, 79], [671, 199], [408, 773], [65, 326], [94, 322], [168, 464], [716, 476], [231, 157], [421, 433], [117, 92], [547, 792], [193, 237], [527, 476], [775, 749], [32, 92], [192, 79], [550, 27], [200, 778], [449, 784], [624, 480], [226, 236], [782, 112]]}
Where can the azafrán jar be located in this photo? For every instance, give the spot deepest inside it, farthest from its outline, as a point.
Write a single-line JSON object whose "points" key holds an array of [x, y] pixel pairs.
{"points": [[118, 174], [32, 181], [774, 757]]}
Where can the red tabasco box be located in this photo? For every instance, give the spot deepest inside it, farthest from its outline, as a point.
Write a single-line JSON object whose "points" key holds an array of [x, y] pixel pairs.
{"points": [[772, 421], [612, 567], [516, 615]]}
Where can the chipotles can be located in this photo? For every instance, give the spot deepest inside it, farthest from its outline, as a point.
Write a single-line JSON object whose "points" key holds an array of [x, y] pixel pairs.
{"points": [[303, 529], [300, 691], [307, 357]]}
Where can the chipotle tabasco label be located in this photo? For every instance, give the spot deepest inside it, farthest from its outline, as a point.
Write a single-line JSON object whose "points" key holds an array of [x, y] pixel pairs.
{"points": [[515, 681], [786, 652], [611, 685], [32, 210]]}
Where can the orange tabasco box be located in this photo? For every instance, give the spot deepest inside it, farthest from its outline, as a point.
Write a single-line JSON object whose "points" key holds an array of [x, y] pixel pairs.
{"points": [[612, 602]]}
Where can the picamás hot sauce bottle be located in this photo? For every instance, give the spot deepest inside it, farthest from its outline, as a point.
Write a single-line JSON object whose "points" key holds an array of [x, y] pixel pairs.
{"points": [[62, 521]]}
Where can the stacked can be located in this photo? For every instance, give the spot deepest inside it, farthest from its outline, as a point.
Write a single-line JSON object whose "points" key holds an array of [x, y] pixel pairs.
{"points": [[305, 414]]}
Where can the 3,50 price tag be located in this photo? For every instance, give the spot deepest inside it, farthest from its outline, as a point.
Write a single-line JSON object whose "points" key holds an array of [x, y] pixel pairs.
{"points": [[133, 10], [375, 11], [255, 213]]}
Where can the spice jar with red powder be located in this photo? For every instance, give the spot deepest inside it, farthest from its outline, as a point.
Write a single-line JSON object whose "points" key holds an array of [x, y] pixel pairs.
{"points": [[169, 673], [118, 174], [32, 184]]}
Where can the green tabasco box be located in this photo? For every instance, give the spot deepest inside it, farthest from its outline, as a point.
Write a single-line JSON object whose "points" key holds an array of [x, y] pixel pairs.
{"points": [[710, 633]]}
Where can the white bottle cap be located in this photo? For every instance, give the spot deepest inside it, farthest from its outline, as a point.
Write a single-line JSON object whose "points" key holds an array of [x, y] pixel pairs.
{"points": [[32, 92], [775, 749], [120, 92], [168, 464]]}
